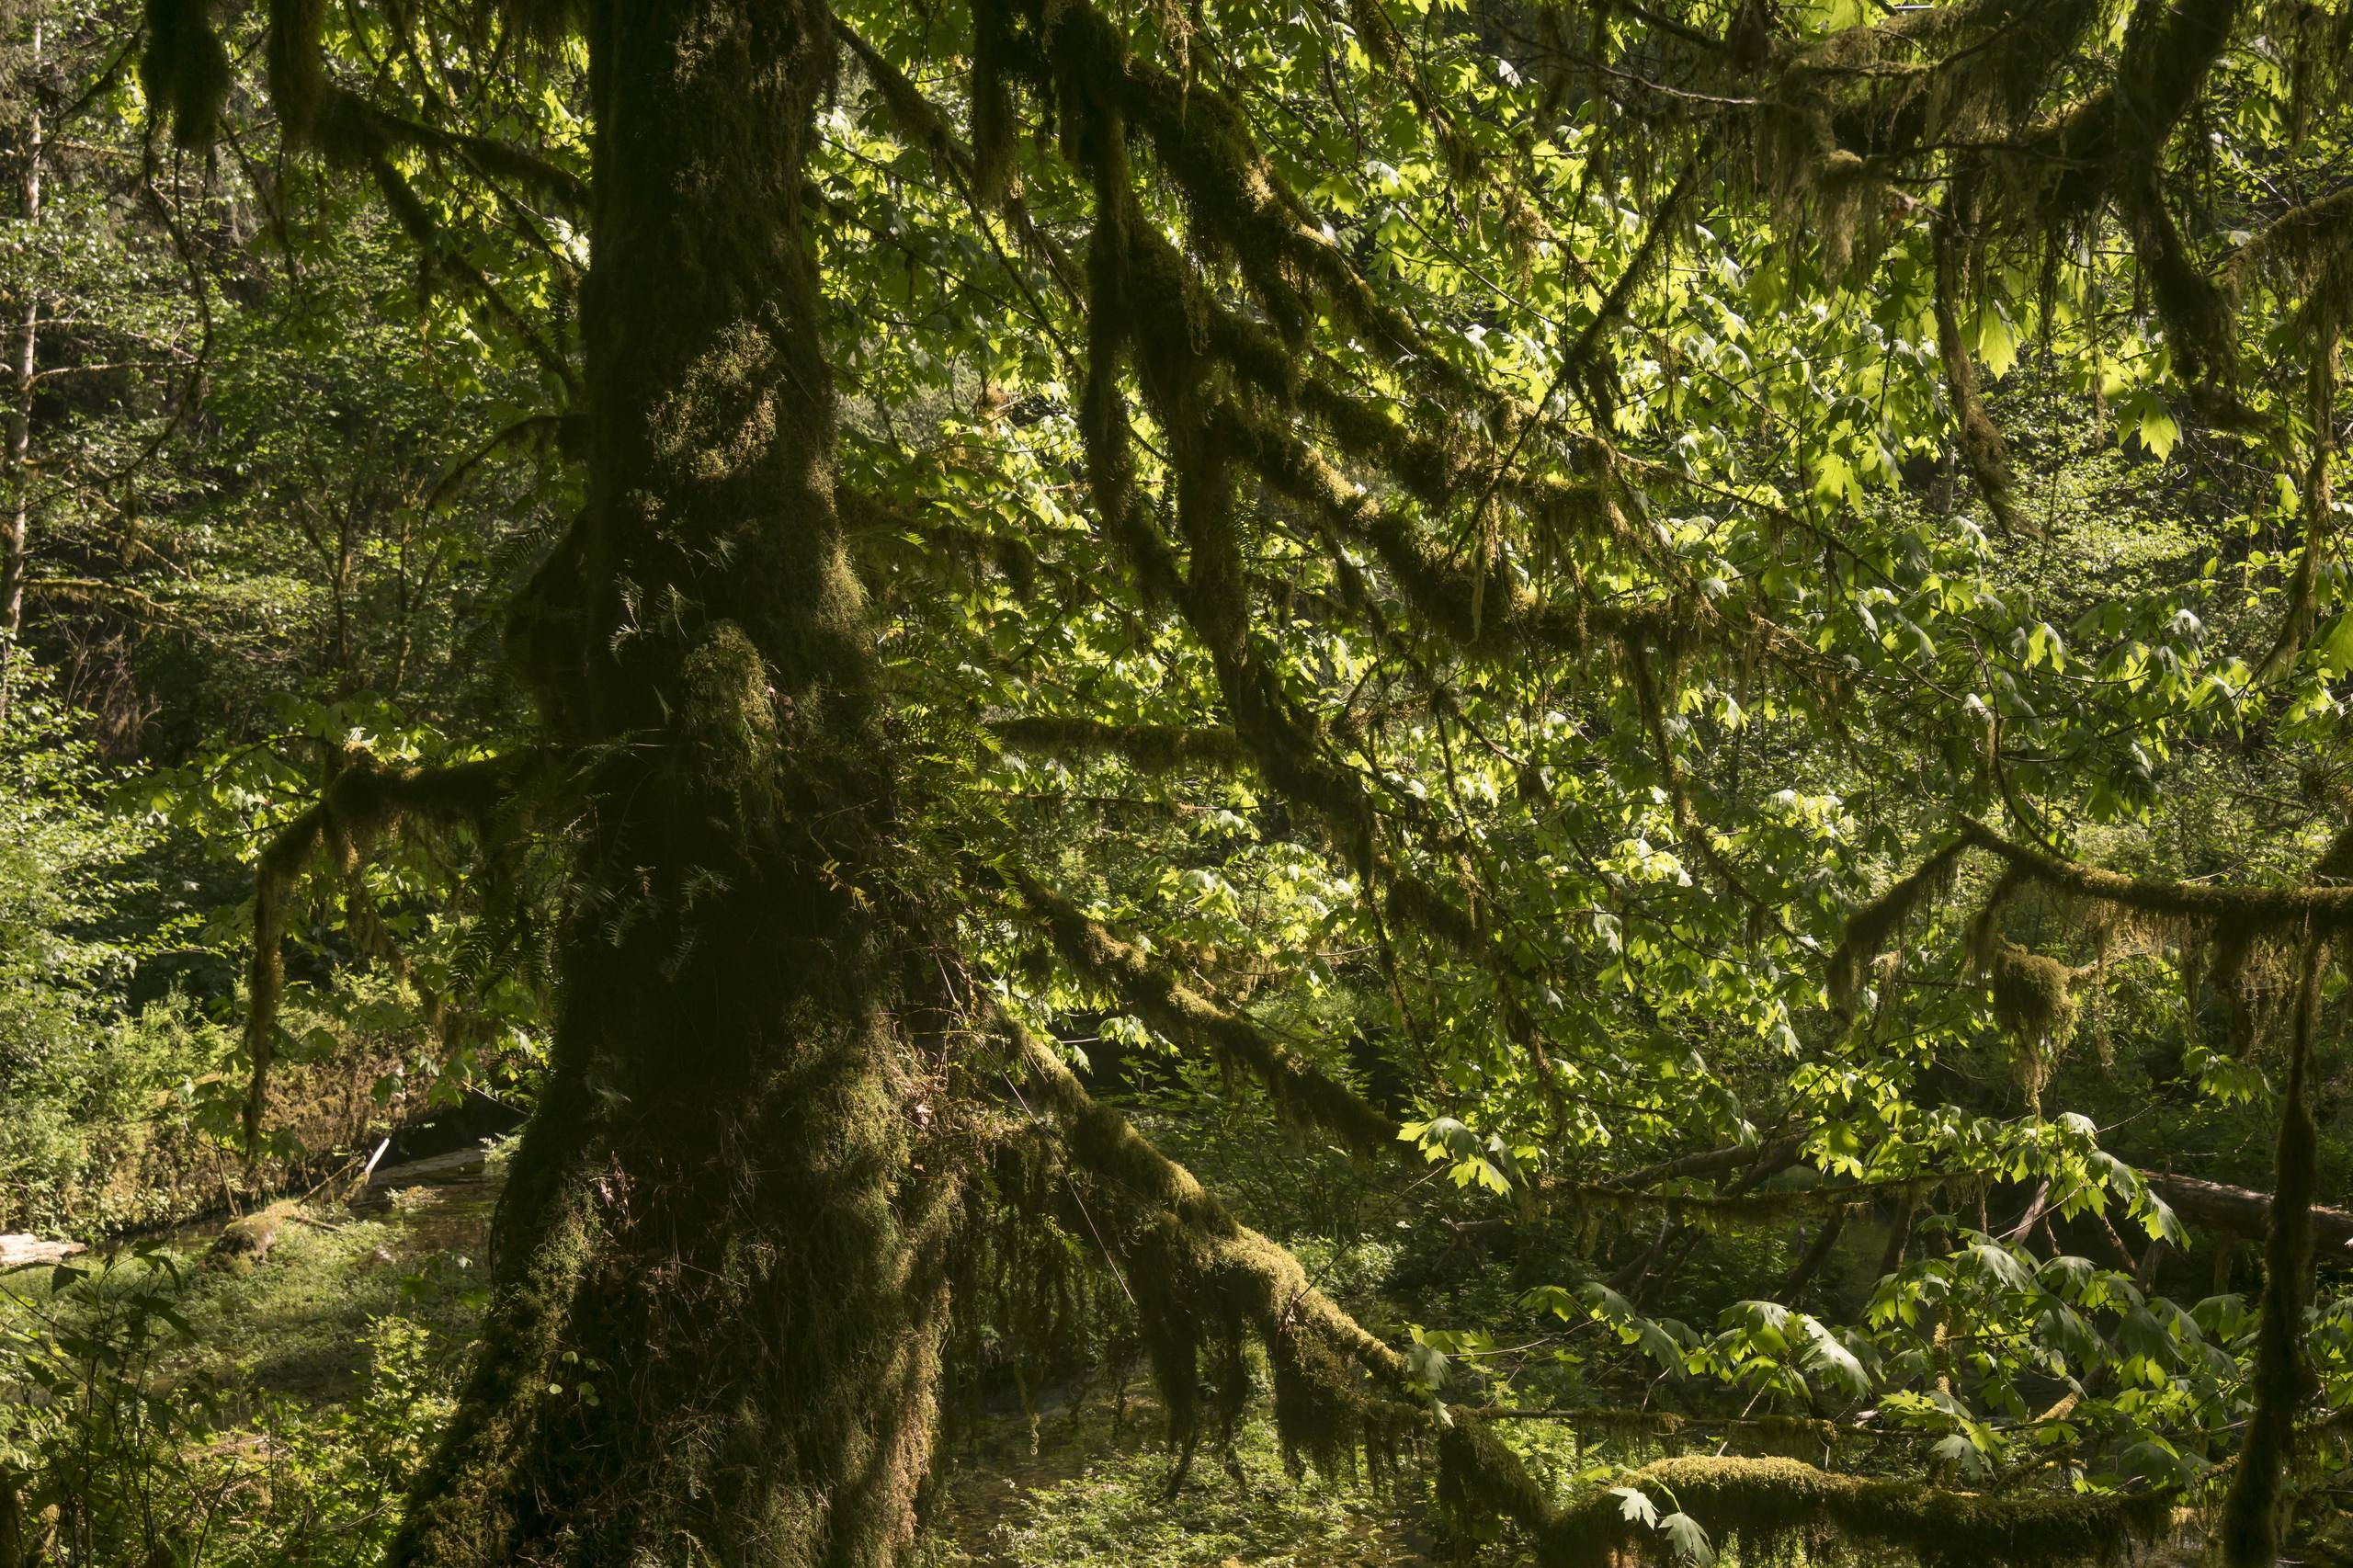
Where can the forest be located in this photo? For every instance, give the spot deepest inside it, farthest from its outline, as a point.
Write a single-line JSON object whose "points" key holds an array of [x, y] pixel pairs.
{"points": [[1176, 783]]}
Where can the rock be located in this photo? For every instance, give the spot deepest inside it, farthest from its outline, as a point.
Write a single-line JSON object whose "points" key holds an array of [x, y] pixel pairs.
{"points": [[17, 1249], [245, 1242]]}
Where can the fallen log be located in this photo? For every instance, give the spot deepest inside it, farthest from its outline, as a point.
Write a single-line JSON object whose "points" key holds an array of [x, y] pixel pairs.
{"points": [[2244, 1212], [17, 1249]]}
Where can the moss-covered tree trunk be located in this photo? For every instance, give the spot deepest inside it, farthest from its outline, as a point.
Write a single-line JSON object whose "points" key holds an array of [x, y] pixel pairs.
{"points": [[715, 1331]]}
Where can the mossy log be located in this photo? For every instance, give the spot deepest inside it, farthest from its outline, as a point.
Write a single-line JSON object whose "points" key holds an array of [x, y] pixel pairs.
{"points": [[1766, 1506]]}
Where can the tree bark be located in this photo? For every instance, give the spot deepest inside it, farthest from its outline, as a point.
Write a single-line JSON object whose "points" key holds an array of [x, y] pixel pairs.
{"points": [[716, 1328]]}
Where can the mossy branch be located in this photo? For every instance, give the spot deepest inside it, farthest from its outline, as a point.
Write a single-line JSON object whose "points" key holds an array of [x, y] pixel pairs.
{"points": [[1870, 927], [1767, 1506], [364, 804], [2244, 1212], [2322, 322], [2250, 911], [1154, 748], [1301, 1090]]}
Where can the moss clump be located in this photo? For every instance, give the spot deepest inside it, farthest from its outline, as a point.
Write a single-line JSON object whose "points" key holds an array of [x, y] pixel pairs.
{"points": [[244, 1244], [2034, 996]]}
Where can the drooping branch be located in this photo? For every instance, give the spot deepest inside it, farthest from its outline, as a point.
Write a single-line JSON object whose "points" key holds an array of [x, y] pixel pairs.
{"points": [[1199, 1272], [1736, 1205], [1775, 1154], [364, 804]]}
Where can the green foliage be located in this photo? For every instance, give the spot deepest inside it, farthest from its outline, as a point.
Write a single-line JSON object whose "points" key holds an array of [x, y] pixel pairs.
{"points": [[159, 1412], [97, 1136], [1464, 580]]}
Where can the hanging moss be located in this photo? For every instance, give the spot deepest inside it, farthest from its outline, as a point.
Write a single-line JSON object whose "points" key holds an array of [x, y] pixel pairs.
{"points": [[1416, 902], [297, 72], [2034, 1001], [186, 69], [2034, 996], [2251, 1525], [993, 121], [1869, 928]]}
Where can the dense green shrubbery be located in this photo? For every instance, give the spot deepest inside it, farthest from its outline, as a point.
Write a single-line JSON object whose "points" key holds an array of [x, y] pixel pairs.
{"points": [[156, 1411], [98, 1135]]}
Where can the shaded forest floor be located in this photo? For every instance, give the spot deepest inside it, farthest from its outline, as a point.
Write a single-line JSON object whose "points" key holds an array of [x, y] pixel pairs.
{"points": [[1092, 1493], [352, 1329]]}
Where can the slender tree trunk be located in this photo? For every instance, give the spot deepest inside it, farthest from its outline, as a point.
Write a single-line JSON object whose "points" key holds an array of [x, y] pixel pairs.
{"points": [[15, 545], [712, 1242]]}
